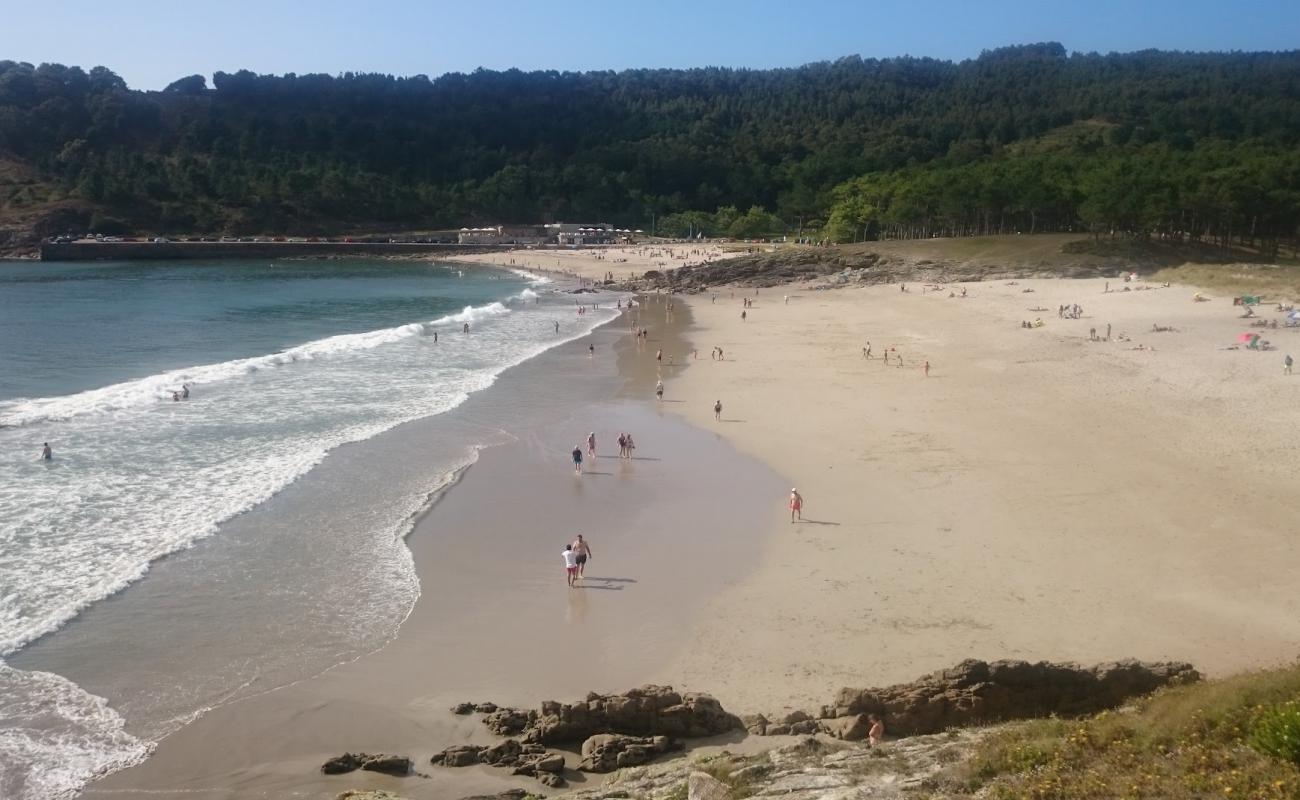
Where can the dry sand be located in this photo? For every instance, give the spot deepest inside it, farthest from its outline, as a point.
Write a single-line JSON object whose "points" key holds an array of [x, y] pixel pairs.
{"points": [[592, 263], [1038, 496]]}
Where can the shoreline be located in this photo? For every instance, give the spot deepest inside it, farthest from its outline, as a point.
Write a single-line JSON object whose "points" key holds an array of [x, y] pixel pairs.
{"points": [[496, 644]]}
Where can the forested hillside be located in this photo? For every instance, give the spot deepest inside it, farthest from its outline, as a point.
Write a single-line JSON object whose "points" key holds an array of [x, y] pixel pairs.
{"points": [[1024, 138]]}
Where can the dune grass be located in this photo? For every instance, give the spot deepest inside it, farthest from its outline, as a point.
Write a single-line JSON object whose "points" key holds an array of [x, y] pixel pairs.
{"points": [[1183, 742], [1275, 282]]}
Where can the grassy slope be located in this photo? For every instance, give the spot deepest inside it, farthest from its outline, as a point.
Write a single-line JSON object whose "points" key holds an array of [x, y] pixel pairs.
{"points": [[1183, 742]]}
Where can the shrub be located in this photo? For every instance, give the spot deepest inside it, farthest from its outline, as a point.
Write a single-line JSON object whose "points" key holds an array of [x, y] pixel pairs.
{"points": [[1276, 732]]}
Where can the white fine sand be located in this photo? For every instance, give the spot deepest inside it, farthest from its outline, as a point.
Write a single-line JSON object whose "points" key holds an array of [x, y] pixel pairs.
{"points": [[593, 262], [1038, 496]]}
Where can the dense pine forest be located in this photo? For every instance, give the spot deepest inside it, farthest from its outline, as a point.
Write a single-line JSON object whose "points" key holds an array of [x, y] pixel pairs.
{"points": [[1204, 146]]}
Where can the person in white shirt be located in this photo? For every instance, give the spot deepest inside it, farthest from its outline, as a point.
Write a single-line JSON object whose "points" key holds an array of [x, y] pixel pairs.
{"points": [[570, 564]]}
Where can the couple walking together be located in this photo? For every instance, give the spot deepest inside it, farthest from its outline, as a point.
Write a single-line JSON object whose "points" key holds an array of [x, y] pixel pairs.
{"points": [[576, 556]]}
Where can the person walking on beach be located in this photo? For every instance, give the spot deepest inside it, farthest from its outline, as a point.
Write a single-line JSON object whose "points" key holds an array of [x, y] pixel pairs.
{"points": [[717, 411], [591, 445], [631, 445], [583, 551], [570, 564], [577, 459], [659, 356], [659, 390], [557, 326], [591, 351], [46, 453], [743, 315], [1286, 364], [796, 505], [622, 446], [927, 369]]}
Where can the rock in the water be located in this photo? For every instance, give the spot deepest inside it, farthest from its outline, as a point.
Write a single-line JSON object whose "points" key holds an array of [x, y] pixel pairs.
{"points": [[703, 786], [460, 755], [391, 765], [607, 752], [362, 794], [978, 692], [647, 711]]}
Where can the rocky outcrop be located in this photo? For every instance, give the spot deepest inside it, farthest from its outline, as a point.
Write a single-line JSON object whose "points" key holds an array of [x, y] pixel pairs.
{"points": [[349, 762], [978, 692], [521, 758], [647, 711], [607, 752]]}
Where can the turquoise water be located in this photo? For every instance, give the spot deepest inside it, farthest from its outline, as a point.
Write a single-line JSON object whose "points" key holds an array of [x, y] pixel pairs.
{"points": [[286, 362]]}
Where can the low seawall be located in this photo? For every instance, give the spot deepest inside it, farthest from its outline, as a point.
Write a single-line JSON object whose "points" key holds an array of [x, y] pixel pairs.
{"points": [[122, 251]]}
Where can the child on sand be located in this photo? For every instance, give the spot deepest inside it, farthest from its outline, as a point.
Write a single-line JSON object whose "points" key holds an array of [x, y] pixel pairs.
{"points": [[717, 408], [796, 505], [659, 390], [570, 564]]}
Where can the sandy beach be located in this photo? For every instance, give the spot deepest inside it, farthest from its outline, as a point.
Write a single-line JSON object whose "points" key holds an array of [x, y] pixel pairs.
{"points": [[1038, 495]]}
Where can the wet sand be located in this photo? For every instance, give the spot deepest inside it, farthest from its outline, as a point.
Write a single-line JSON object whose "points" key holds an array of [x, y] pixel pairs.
{"points": [[495, 621]]}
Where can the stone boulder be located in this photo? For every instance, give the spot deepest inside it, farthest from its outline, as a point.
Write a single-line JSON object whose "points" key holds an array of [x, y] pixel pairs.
{"points": [[703, 786], [647, 711], [382, 762], [362, 794], [459, 755], [979, 692], [508, 721], [607, 752]]}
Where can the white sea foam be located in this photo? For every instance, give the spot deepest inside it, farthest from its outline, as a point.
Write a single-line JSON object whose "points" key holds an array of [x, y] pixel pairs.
{"points": [[158, 388], [138, 476], [62, 735]]}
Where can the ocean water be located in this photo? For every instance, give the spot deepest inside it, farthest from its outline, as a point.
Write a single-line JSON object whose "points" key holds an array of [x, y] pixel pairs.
{"points": [[288, 362]]}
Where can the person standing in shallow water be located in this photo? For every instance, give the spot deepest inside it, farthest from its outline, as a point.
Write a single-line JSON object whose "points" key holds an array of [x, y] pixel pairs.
{"points": [[591, 445], [46, 453], [577, 459], [659, 390]]}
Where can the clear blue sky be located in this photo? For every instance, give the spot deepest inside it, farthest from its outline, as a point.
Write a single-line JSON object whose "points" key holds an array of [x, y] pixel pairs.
{"points": [[152, 42]]}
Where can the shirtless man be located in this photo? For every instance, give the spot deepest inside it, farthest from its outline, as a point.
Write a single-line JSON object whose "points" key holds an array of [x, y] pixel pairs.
{"points": [[796, 505], [583, 550], [876, 734]]}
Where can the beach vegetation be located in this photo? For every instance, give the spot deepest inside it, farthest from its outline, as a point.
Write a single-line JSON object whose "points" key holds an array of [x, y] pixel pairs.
{"points": [[1236, 737]]}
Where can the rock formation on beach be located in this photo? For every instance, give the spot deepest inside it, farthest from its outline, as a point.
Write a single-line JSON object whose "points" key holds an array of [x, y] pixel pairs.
{"points": [[978, 692], [647, 711], [349, 762]]}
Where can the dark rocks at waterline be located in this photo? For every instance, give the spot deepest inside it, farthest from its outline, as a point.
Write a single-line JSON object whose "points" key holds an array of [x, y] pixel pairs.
{"points": [[349, 762], [607, 752]]}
